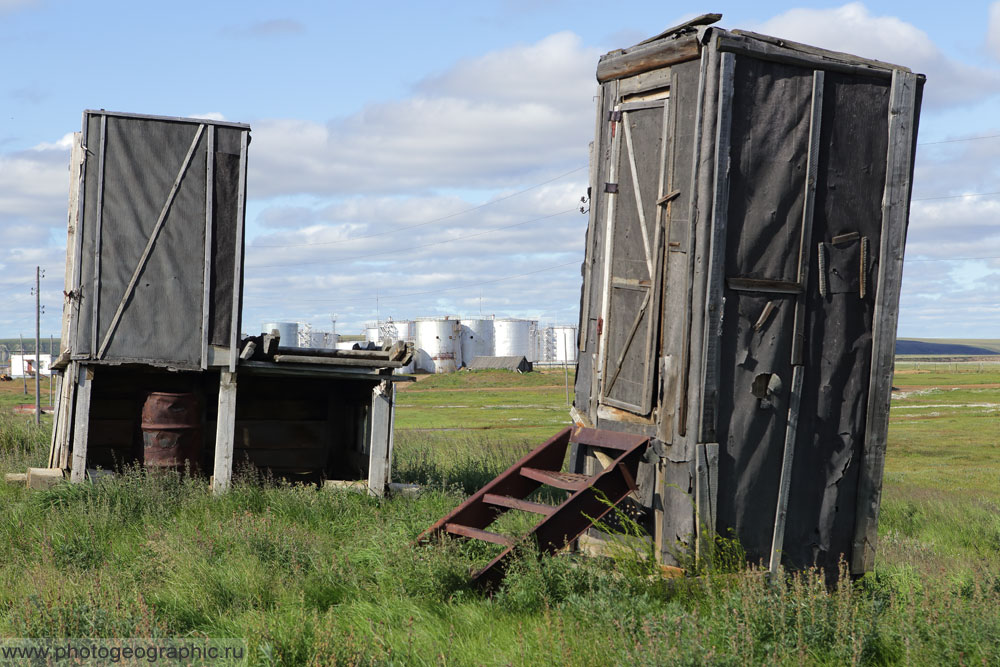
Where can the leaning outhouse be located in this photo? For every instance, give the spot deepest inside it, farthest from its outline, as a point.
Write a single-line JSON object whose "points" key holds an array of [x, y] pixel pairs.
{"points": [[749, 204]]}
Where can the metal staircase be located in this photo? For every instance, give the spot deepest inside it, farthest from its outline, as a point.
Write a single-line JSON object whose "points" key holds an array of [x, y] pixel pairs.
{"points": [[590, 496]]}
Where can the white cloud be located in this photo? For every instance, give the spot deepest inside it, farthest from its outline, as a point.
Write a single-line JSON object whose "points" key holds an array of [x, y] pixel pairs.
{"points": [[993, 30], [852, 28], [508, 117]]}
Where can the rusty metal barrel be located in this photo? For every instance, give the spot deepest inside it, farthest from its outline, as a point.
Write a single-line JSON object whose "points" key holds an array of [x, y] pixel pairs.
{"points": [[171, 430]]}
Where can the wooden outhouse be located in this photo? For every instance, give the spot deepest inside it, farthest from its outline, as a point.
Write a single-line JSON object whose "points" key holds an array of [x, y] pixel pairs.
{"points": [[749, 205], [154, 293]]}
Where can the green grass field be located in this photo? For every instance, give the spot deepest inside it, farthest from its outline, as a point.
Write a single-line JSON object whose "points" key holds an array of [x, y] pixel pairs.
{"points": [[311, 577]]}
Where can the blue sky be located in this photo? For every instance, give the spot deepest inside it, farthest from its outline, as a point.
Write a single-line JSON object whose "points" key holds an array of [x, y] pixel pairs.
{"points": [[370, 119]]}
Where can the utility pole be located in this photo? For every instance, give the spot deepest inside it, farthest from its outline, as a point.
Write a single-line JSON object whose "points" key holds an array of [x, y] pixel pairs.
{"points": [[38, 345], [52, 400], [24, 376]]}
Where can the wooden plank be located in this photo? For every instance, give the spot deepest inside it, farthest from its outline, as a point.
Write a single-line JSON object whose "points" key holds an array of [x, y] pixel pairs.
{"points": [[81, 425], [207, 275], [642, 58], [225, 432], [787, 458], [646, 81], [689, 417], [241, 197], [825, 54], [717, 250], [763, 285], [895, 213], [609, 235], [65, 425], [149, 245], [76, 223], [737, 44], [378, 450], [335, 361], [70, 304], [805, 242], [98, 224], [706, 496]]}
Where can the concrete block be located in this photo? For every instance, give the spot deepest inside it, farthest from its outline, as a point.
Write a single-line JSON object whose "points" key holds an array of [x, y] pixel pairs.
{"points": [[44, 478], [16, 478]]}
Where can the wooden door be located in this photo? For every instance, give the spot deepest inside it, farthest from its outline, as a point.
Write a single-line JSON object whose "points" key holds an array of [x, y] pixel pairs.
{"points": [[634, 254]]}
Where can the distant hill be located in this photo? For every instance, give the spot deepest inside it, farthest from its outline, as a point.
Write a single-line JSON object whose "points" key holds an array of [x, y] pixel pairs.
{"points": [[938, 346]]}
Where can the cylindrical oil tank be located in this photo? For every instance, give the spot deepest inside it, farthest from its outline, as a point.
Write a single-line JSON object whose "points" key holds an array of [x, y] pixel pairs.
{"points": [[288, 331], [171, 430], [439, 344], [405, 330], [561, 343], [477, 339], [515, 338], [323, 340], [372, 333]]}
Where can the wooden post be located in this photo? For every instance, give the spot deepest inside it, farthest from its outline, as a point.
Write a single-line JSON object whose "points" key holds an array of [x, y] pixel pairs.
{"points": [[81, 425], [380, 445], [225, 432]]}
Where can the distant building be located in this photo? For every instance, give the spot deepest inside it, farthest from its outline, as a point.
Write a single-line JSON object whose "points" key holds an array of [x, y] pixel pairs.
{"points": [[24, 364]]}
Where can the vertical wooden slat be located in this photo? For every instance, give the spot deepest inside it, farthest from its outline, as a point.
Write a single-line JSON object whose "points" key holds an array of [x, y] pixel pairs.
{"points": [[895, 212], [609, 235], [234, 334], [225, 433], [207, 279], [787, 458], [78, 225], [805, 240], [717, 251], [95, 297], [81, 425], [381, 433], [64, 428]]}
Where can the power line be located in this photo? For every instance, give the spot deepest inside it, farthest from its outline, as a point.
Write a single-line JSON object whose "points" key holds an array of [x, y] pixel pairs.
{"points": [[968, 194], [951, 141], [429, 222], [448, 289], [949, 259], [415, 247]]}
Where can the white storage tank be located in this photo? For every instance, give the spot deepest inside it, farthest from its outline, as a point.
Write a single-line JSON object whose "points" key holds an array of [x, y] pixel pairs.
{"points": [[323, 340], [477, 339], [561, 343], [288, 331], [439, 345], [515, 338], [372, 333]]}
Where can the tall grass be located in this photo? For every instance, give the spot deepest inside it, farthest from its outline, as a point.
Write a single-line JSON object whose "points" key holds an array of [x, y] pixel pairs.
{"points": [[319, 577]]}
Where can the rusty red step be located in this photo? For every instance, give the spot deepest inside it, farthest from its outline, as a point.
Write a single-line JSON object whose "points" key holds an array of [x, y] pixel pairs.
{"points": [[590, 499]]}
